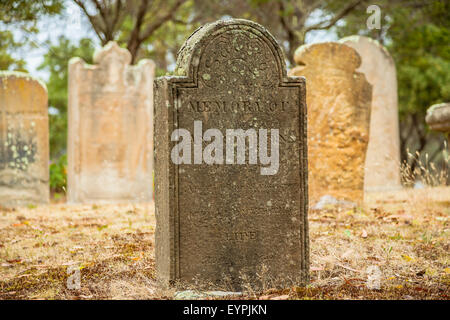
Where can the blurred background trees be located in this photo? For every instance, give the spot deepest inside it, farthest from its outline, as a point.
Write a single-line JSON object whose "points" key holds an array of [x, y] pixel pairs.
{"points": [[416, 33]]}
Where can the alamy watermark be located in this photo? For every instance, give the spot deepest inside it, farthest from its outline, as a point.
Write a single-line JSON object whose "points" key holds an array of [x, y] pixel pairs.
{"points": [[373, 278], [74, 278], [73, 14], [213, 153], [374, 20]]}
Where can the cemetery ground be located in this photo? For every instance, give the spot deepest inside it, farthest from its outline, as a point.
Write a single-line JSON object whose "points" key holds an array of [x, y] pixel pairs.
{"points": [[405, 234]]}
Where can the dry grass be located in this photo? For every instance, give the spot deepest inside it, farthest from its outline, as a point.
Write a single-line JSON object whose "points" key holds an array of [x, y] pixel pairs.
{"points": [[405, 234]]}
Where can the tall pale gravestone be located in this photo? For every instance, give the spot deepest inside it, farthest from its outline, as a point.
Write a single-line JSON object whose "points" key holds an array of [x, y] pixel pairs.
{"points": [[24, 146], [110, 141], [338, 100], [227, 217], [382, 167]]}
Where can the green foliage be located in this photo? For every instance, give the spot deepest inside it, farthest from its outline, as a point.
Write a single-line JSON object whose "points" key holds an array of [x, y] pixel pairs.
{"points": [[7, 45], [12, 11], [162, 46], [56, 61], [21, 15], [422, 55], [58, 174], [417, 36]]}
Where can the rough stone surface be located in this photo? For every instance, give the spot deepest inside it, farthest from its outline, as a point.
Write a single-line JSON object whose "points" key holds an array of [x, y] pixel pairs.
{"points": [[24, 148], [338, 100], [438, 118], [226, 225], [382, 167], [110, 143]]}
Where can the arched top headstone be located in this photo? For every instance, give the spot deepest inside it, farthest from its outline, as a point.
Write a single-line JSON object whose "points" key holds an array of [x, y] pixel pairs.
{"points": [[357, 41], [230, 78], [5, 76], [24, 148], [382, 167], [334, 54], [235, 52]]}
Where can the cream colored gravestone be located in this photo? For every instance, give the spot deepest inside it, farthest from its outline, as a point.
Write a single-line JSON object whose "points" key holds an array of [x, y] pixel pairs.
{"points": [[110, 142], [338, 102], [24, 147], [382, 167]]}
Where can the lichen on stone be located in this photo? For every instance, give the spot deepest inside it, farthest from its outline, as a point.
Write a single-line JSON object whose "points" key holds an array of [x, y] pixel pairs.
{"points": [[19, 74]]}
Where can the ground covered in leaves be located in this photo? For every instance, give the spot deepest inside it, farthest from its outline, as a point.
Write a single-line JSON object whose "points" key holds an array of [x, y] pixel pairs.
{"points": [[405, 235]]}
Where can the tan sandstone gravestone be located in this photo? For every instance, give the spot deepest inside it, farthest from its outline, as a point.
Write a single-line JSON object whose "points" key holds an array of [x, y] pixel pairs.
{"points": [[24, 147], [110, 143], [382, 167], [338, 100], [226, 220]]}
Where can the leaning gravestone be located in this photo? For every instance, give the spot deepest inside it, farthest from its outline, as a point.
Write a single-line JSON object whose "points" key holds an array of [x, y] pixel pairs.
{"points": [[230, 220], [110, 141], [382, 167], [24, 149], [338, 100]]}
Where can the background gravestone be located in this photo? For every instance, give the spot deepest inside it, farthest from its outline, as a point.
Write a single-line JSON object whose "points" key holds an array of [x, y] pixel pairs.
{"points": [[382, 167], [24, 147], [110, 141], [438, 118], [222, 224], [338, 100]]}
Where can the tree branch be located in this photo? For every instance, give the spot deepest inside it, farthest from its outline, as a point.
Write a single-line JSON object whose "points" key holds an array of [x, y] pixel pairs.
{"points": [[134, 36], [91, 18], [289, 30], [160, 21], [336, 18]]}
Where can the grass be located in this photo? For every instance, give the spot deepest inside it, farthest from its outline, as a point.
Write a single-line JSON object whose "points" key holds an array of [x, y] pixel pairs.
{"points": [[405, 234]]}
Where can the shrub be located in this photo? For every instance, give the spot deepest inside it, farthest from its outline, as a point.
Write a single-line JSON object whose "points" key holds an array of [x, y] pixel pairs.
{"points": [[58, 175]]}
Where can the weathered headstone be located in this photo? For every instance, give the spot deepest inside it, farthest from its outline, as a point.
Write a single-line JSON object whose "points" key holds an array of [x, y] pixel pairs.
{"points": [[24, 143], [338, 100], [382, 167], [438, 118], [222, 220], [110, 142]]}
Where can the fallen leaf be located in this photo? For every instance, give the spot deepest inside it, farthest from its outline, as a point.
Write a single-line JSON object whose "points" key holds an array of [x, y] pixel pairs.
{"points": [[407, 258], [14, 261], [100, 228], [18, 225]]}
